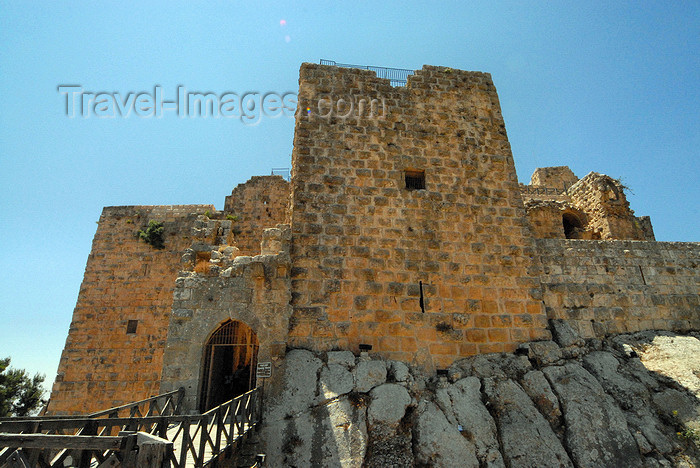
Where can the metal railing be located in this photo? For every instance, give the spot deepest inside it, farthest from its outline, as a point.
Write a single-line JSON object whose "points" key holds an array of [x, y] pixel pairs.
{"points": [[538, 190], [283, 172], [396, 76], [198, 440]]}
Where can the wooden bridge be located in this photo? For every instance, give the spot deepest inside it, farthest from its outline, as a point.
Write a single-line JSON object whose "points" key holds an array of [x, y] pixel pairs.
{"points": [[144, 434]]}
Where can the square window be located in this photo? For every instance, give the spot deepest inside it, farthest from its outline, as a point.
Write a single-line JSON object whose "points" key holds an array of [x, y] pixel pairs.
{"points": [[415, 180], [131, 327]]}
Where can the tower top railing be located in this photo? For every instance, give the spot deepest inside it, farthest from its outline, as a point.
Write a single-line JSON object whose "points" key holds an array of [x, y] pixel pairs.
{"points": [[396, 76]]}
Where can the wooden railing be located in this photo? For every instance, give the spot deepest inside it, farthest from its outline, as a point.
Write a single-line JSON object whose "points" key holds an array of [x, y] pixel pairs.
{"points": [[198, 440], [125, 450], [165, 404]]}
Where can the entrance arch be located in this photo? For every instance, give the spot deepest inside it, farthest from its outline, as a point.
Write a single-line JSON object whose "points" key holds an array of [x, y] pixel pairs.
{"points": [[230, 357]]}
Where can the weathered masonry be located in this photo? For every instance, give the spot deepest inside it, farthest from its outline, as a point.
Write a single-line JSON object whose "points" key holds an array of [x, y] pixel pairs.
{"points": [[403, 229]]}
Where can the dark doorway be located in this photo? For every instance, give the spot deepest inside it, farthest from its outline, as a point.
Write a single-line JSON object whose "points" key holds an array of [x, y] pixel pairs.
{"points": [[230, 357], [572, 226]]}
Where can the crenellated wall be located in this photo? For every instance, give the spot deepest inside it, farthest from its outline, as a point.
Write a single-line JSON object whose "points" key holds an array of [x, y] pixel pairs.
{"points": [[605, 287]]}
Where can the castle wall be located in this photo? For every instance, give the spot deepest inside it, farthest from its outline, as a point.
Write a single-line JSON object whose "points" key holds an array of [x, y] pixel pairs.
{"points": [[603, 199], [362, 242], [253, 290], [125, 279], [605, 287], [262, 202], [545, 220], [556, 176]]}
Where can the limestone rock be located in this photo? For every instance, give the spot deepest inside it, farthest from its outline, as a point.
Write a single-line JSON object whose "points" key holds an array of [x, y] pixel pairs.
{"points": [[437, 443], [631, 396], [527, 440], [543, 353], [343, 358], [334, 380], [490, 365], [388, 406], [299, 391], [596, 429], [346, 428], [291, 440], [390, 441], [461, 403], [675, 357], [679, 406], [605, 367], [399, 371], [538, 389], [564, 335], [332, 435], [369, 374]]}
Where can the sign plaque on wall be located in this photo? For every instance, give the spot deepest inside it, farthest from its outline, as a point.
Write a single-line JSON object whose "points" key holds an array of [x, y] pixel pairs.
{"points": [[264, 370]]}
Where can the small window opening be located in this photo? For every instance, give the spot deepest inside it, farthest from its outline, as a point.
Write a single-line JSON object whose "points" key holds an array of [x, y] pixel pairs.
{"points": [[572, 226], [131, 327], [415, 180]]}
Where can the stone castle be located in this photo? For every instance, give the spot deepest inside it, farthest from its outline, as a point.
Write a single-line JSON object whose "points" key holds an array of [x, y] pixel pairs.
{"points": [[403, 230]]}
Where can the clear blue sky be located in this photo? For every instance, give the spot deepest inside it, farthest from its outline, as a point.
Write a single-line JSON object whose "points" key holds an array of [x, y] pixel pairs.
{"points": [[606, 86]]}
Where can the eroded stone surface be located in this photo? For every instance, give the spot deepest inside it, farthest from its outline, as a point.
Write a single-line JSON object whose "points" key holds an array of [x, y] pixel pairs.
{"points": [[369, 374], [461, 403], [596, 429], [335, 380], [604, 409], [389, 403], [538, 389], [526, 437], [437, 443]]}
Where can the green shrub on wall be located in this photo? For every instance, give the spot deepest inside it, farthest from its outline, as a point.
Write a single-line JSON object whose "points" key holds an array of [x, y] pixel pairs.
{"points": [[153, 234]]}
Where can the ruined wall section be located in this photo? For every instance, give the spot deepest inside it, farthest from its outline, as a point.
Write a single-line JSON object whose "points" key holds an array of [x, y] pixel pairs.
{"points": [[545, 218], [125, 280], [605, 287], [254, 290], [603, 199], [363, 243], [554, 176], [260, 203]]}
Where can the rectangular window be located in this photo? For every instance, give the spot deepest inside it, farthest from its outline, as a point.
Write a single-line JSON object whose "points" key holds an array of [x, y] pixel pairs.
{"points": [[415, 180], [131, 327]]}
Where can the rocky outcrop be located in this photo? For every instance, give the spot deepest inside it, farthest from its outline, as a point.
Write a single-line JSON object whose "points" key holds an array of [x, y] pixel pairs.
{"points": [[561, 403]]}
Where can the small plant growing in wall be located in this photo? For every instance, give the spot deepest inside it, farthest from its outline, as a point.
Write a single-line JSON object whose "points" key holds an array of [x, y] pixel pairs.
{"points": [[689, 434], [153, 234], [231, 217]]}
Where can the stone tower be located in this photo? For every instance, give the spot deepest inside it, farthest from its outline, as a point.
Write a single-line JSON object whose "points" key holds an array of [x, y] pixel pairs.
{"points": [[408, 227]]}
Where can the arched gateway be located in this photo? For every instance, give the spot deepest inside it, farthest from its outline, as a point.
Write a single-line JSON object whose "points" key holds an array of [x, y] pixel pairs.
{"points": [[230, 357]]}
